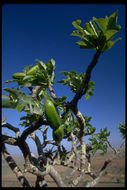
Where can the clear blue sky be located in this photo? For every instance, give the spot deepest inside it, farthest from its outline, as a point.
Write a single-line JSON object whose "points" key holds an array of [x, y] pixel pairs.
{"points": [[42, 31]]}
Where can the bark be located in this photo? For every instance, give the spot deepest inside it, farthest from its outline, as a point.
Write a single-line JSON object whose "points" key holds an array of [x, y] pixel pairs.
{"points": [[48, 168], [40, 182], [14, 167], [103, 168], [52, 93], [54, 174], [87, 79], [45, 140], [35, 91], [89, 162], [9, 140], [15, 129], [4, 119], [74, 148], [82, 123]]}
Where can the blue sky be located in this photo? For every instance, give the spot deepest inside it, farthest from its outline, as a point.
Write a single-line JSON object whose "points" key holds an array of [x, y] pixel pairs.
{"points": [[42, 31]]}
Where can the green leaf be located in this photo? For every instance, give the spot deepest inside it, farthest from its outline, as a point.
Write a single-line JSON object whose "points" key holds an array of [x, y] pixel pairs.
{"points": [[76, 24], [90, 90], [60, 100], [94, 28], [109, 34], [81, 43], [109, 44], [27, 103], [85, 44], [89, 30], [76, 81], [73, 80], [4, 96], [27, 77], [102, 23], [26, 84], [90, 130], [112, 23], [122, 129], [97, 37], [27, 68], [29, 119], [42, 65], [37, 110], [41, 94], [20, 106], [46, 73], [8, 104], [78, 33], [98, 141], [17, 93], [9, 81], [50, 70]]}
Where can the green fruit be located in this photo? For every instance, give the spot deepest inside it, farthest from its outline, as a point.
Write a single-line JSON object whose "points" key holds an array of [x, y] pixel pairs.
{"points": [[33, 70], [58, 134], [18, 75], [51, 114]]}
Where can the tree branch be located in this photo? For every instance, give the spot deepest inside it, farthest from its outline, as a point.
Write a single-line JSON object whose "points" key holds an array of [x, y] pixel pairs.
{"points": [[74, 149], [82, 123], [35, 91], [35, 125], [14, 167], [39, 148], [87, 79], [103, 168], [73, 104], [52, 93], [4, 119], [9, 126], [45, 141], [49, 169], [40, 182], [9, 140]]}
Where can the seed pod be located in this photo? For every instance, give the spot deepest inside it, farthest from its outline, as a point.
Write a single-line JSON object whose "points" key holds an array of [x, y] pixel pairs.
{"points": [[18, 75], [51, 114], [58, 134], [33, 70]]}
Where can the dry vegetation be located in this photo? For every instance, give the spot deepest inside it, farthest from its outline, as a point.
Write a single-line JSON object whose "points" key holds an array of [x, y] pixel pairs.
{"points": [[113, 177]]}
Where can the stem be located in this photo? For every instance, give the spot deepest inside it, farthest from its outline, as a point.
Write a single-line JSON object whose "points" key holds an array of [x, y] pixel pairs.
{"points": [[87, 79], [14, 167], [74, 149], [52, 93], [82, 123], [35, 125], [35, 91], [9, 126], [54, 174]]}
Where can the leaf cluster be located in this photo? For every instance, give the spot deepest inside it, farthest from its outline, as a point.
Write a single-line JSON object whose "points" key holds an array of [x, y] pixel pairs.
{"points": [[29, 119], [20, 101], [43, 76], [122, 129], [60, 103], [98, 33], [98, 141], [76, 81], [71, 124], [63, 154]]}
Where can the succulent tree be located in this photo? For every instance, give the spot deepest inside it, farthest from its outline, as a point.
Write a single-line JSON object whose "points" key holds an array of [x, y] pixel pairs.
{"points": [[43, 108]]}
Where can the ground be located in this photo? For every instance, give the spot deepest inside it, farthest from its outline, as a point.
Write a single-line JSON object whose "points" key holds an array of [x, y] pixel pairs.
{"points": [[113, 177]]}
